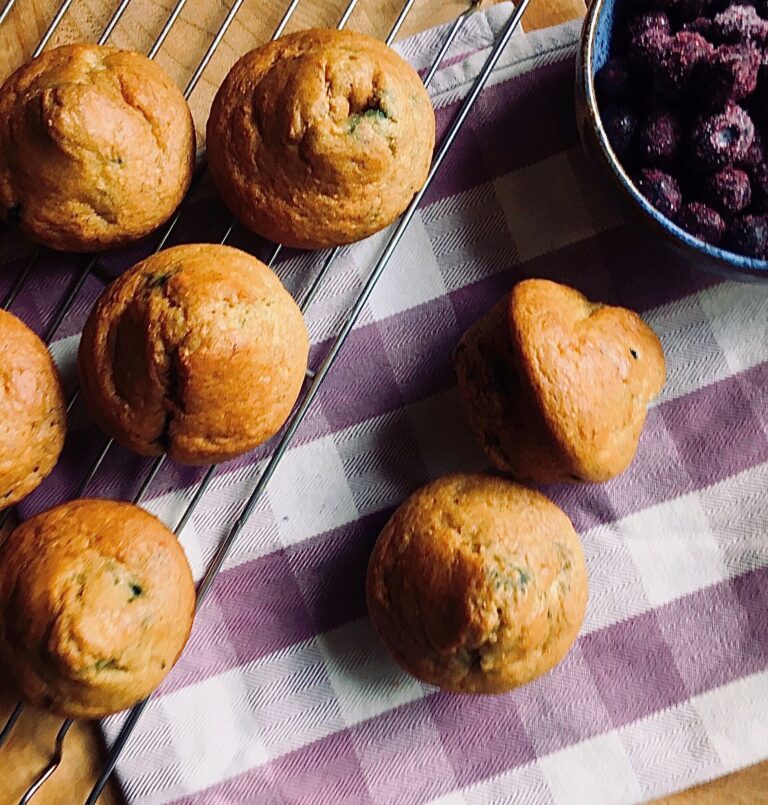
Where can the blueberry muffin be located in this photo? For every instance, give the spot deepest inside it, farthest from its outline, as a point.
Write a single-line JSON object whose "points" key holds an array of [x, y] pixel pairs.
{"points": [[198, 351], [96, 605], [556, 387], [33, 417], [477, 584], [320, 138], [97, 147]]}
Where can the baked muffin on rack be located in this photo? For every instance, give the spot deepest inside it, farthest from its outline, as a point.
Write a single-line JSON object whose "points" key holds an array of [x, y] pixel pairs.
{"points": [[97, 147], [557, 387], [320, 138], [198, 351], [96, 605], [33, 417], [477, 584]]}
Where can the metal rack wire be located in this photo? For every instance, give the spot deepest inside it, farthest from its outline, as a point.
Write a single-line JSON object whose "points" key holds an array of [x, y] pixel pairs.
{"points": [[316, 377]]}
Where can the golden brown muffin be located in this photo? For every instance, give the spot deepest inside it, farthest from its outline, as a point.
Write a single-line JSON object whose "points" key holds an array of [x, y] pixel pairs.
{"points": [[198, 351], [96, 605], [477, 584], [557, 387], [320, 138], [97, 147], [33, 419]]}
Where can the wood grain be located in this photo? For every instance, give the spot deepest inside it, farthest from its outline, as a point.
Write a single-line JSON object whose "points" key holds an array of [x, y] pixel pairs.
{"points": [[33, 738]]}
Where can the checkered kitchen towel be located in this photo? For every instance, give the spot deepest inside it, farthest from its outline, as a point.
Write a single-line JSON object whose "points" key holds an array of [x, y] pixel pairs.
{"points": [[284, 694]]}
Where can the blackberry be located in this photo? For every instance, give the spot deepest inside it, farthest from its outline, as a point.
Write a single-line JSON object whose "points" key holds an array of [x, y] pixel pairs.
{"points": [[729, 74], [673, 66], [739, 24], [659, 138]]}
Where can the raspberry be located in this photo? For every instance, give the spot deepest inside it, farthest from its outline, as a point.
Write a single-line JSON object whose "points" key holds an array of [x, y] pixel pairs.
{"points": [[661, 190], [749, 235], [702, 222], [673, 67], [730, 74], [701, 25], [728, 191], [650, 21], [620, 125], [612, 81], [739, 24], [658, 140], [721, 139]]}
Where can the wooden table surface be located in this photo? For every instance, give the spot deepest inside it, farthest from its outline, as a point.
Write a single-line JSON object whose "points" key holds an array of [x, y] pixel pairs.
{"points": [[32, 740]]}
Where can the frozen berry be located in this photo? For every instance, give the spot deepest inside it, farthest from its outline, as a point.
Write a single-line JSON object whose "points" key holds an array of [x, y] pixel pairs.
{"points": [[646, 49], [661, 190], [702, 222], [675, 64], [760, 187], [739, 24], [721, 139], [659, 138], [728, 191], [748, 235], [730, 74], [620, 126], [687, 10], [701, 25], [612, 81], [755, 154], [650, 21]]}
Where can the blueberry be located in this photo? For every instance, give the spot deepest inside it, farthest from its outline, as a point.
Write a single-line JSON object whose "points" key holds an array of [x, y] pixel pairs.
{"points": [[702, 222], [748, 235], [721, 139], [661, 190], [612, 81], [620, 125], [728, 191], [659, 138]]}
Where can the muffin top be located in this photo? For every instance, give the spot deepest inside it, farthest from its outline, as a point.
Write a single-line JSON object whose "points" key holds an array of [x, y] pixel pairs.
{"points": [[320, 138], [198, 351], [96, 604], [591, 369], [32, 411], [477, 584], [97, 147]]}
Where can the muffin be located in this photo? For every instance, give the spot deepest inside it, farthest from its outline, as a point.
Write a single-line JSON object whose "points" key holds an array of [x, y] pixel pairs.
{"points": [[477, 584], [198, 351], [556, 387], [97, 147], [33, 417], [320, 138], [96, 604]]}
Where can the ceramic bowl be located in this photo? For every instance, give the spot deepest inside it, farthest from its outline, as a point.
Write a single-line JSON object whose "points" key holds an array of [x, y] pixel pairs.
{"points": [[596, 39]]}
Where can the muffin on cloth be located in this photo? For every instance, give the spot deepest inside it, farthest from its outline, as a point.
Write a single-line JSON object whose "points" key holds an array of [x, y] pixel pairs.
{"points": [[557, 387], [320, 138], [198, 351], [96, 605], [477, 584], [33, 418], [97, 147]]}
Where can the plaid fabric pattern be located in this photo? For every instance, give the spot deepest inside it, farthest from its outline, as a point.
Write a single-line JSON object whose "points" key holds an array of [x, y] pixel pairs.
{"points": [[284, 694]]}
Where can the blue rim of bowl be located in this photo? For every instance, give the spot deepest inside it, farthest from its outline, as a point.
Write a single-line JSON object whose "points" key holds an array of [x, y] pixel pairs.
{"points": [[751, 265]]}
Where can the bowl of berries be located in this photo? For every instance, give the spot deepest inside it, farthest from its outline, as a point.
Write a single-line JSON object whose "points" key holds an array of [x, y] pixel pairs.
{"points": [[672, 97]]}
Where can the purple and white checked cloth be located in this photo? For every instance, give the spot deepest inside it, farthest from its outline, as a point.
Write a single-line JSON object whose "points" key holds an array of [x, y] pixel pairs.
{"points": [[284, 694]]}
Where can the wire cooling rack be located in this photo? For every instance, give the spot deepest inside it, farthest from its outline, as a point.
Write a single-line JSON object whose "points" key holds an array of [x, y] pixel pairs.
{"points": [[315, 377]]}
